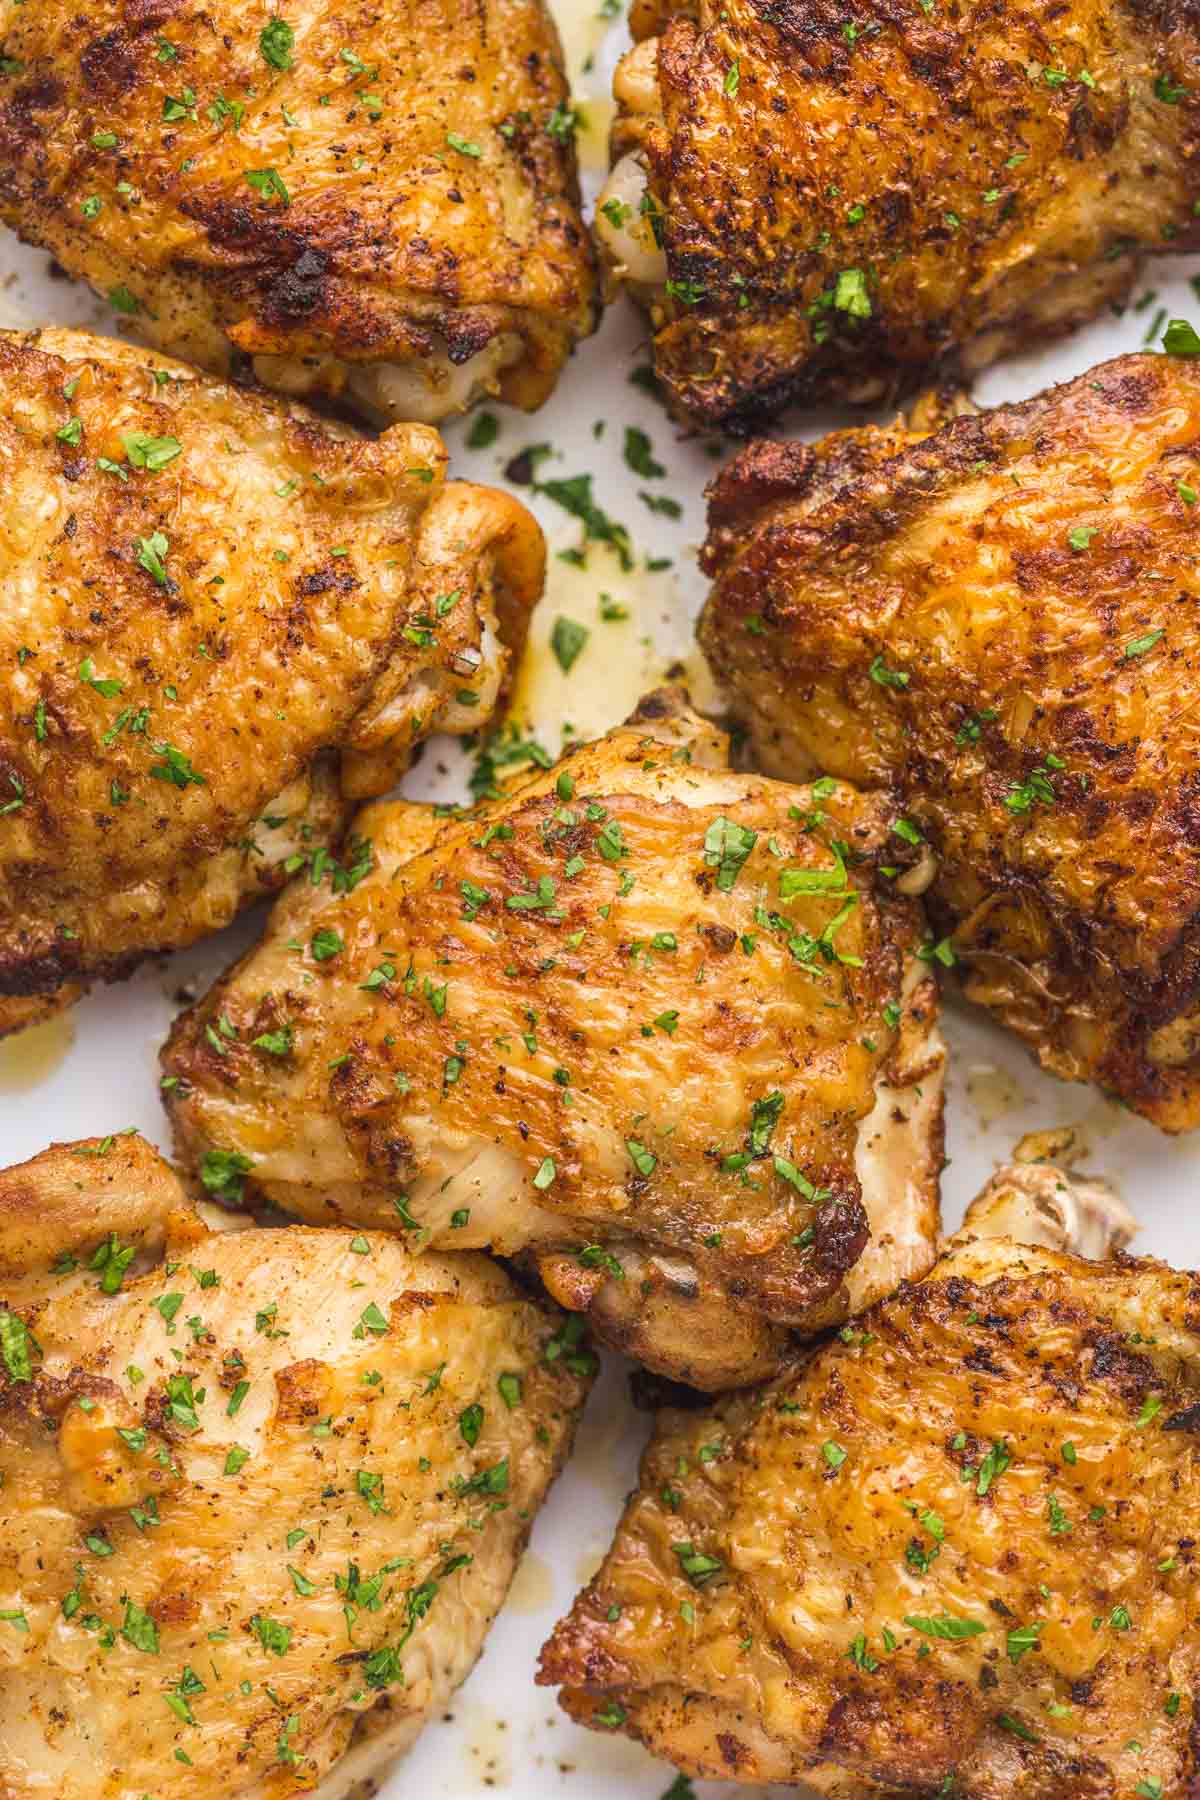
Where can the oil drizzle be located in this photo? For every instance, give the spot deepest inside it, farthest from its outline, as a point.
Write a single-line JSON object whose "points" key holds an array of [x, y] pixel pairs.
{"points": [[638, 636], [532, 1590], [589, 60], [486, 1740], [28, 1058], [595, 116], [993, 1093]]}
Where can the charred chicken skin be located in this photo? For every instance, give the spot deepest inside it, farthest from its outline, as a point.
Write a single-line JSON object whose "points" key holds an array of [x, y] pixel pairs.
{"points": [[816, 206], [995, 625], [951, 1552], [640, 1021], [222, 622], [372, 205], [263, 1491]]}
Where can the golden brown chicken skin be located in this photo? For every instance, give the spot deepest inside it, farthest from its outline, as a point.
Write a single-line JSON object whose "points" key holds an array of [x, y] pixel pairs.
{"points": [[819, 203], [377, 205], [950, 1553], [640, 1021], [997, 626], [263, 1491], [222, 622]]}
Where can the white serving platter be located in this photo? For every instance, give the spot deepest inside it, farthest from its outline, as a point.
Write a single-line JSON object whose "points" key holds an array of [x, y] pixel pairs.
{"points": [[94, 1070]]}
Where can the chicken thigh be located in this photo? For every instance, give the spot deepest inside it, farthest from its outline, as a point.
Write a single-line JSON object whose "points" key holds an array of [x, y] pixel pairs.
{"points": [[262, 1491], [376, 205], [821, 203], [640, 1020], [221, 622], [997, 625], [950, 1553]]}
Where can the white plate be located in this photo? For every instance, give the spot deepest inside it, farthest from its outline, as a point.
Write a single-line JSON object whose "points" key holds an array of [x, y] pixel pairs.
{"points": [[94, 1070]]}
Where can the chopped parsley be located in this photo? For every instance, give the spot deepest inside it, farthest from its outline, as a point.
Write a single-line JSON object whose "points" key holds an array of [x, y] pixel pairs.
{"points": [[638, 454], [885, 677], [1021, 1640], [271, 1634], [276, 41], [992, 1467], [1181, 339], [176, 768], [945, 1625], [643, 1160], [688, 293], [139, 1629], [269, 183], [850, 294], [222, 1173], [151, 556], [509, 1386], [16, 1346], [696, 1565], [150, 453], [574, 495], [485, 429], [1036, 790], [567, 640], [726, 848]]}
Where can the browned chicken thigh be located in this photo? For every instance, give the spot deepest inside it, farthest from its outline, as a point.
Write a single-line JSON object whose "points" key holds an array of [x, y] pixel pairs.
{"points": [[996, 625], [640, 1020], [825, 203], [951, 1553], [221, 623], [376, 205], [261, 1492]]}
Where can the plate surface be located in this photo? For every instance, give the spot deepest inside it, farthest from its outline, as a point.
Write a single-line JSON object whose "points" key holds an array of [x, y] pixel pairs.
{"points": [[95, 1070]]}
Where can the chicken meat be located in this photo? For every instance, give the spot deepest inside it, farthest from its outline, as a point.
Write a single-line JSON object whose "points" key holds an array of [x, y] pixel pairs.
{"points": [[952, 1552], [224, 622], [375, 206], [263, 1491], [819, 204], [996, 626], [640, 1020]]}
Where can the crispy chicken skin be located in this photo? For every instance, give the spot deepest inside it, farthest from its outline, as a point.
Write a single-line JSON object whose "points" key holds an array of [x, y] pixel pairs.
{"points": [[842, 205], [221, 623], [377, 205], [258, 1486], [950, 1552], [635, 1021], [997, 626]]}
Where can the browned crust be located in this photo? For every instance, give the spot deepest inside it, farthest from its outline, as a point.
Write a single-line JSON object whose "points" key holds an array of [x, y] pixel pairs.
{"points": [[576, 1028], [1077, 921], [258, 665], [926, 154], [391, 246], [714, 1677]]}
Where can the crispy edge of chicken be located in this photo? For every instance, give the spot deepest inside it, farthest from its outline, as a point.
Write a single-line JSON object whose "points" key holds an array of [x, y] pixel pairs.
{"points": [[544, 1028], [814, 209], [954, 1547], [338, 1405], [377, 208], [992, 622], [223, 622]]}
